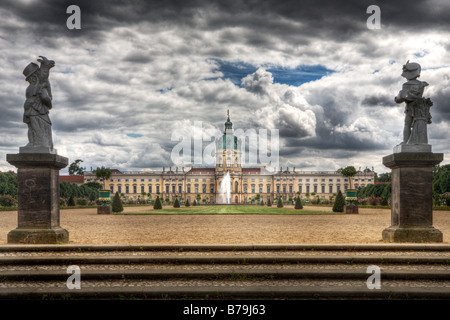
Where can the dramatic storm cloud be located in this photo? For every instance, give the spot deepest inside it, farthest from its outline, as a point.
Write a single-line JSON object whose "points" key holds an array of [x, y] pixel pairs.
{"points": [[138, 71]]}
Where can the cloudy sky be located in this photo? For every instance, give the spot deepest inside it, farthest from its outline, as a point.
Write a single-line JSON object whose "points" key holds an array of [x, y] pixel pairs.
{"points": [[138, 72]]}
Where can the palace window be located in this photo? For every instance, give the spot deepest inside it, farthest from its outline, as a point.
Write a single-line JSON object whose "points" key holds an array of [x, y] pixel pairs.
{"points": [[204, 188], [188, 188], [180, 188], [307, 189], [260, 188], [211, 188], [127, 189], [290, 189], [253, 188], [142, 188], [196, 188], [150, 188], [173, 188], [111, 187], [284, 188], [268, 188], [119, 188], [315, 189], [330, 189], [245, 188], [300, 188], [323, 189], [157, 188]]}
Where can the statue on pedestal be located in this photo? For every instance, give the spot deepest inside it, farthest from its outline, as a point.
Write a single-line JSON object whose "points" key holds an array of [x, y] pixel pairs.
{"points": [[417, 111], [37, 105]]}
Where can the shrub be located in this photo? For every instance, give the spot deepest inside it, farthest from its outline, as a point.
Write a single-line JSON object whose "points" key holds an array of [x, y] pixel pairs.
{"points": [[261, 202], [194, 203], [82, 202], [339, 203], [157, 204], [187, 204], [71, 202], [298, 203], [7, 201], [176, 203], [116, 204], [268, 203], [280, 203]]}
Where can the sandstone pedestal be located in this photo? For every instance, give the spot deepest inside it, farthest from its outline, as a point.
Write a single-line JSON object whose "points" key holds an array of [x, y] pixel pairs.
{"points": [[351, 209], [412, 204], [38, 198]]}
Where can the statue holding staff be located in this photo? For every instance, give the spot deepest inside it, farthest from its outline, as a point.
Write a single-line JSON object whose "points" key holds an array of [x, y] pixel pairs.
{"points": [[37, 105]]}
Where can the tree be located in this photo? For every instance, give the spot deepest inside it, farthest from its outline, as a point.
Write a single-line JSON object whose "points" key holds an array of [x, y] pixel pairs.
{"points": [[268, 203], [348, 172], [176, 204], [384, 177], [157, 204], [116, 204], [8, 183], [187, 204], [103, 173], [75, 169], [298, 203], [279, 203], [339, 203]]}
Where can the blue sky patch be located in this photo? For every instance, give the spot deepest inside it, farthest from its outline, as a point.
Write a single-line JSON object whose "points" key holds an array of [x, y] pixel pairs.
{"points": [[235, 71], [134, 135]]}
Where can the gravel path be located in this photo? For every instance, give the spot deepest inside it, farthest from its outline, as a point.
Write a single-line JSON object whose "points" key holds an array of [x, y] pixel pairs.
{"points": [[85, 226]]}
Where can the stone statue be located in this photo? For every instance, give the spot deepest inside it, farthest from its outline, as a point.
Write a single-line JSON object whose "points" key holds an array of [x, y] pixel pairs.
{"points": [[36, 108], [417, 111]]}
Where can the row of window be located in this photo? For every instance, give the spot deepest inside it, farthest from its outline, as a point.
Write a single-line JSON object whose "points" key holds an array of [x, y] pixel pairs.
{"points": [[196, 189], [245, 180]]}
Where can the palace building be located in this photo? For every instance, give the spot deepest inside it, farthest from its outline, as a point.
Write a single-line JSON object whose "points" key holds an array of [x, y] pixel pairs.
{"points": [[245, 185]]}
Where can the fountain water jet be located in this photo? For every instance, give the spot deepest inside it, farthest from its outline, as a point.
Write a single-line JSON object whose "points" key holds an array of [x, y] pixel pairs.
{"points": [[225, 189]]}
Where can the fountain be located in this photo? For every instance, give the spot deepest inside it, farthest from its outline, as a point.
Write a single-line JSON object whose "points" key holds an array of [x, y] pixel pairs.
{"points": [[225, 189]]}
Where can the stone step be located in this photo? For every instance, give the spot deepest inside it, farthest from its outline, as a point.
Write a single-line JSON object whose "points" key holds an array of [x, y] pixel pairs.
{"points": [[226, 272], [233, 273], [219, 259], [216, 247], [262, 291]]}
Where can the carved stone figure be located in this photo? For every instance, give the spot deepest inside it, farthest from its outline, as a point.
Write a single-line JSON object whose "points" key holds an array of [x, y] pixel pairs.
{"points": [[36, 108], [417, 111]]}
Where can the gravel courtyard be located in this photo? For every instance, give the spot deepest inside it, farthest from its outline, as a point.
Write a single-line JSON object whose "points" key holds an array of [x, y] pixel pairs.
{"points": [[85, 226]]}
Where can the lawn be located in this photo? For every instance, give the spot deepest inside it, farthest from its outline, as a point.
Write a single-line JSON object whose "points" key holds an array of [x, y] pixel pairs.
{"points": [[230, 209]]}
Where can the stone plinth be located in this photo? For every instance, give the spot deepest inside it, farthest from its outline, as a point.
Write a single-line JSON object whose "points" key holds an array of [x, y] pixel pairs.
{"points": [[351, 209], [411, 192], [38, 198], [104, 210]]}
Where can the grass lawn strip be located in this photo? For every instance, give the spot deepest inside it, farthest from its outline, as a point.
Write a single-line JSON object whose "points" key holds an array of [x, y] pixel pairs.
{"points": [[231, 209]]}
